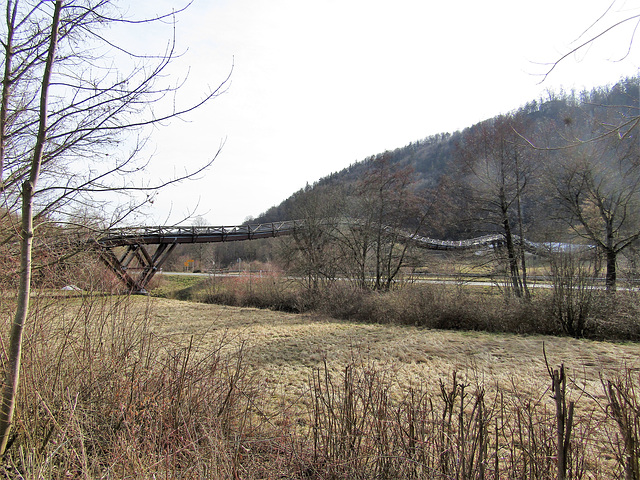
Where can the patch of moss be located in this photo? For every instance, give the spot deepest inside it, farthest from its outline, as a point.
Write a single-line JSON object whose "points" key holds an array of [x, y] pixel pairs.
{"points": [[175, 286]]}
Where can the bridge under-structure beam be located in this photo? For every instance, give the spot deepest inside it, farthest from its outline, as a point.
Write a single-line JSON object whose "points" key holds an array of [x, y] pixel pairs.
{"points": [[147, 264], [128, 251]]}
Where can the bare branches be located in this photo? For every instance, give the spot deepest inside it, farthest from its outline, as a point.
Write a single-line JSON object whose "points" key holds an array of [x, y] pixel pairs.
{"points": [[594, 37], [95, 105]]}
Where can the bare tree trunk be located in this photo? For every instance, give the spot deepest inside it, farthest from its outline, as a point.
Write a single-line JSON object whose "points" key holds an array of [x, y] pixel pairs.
{"points": [[363, 265], [611, 275], [12, 375], [378, 281], [523, 262], [513, 260], [511, 250]]}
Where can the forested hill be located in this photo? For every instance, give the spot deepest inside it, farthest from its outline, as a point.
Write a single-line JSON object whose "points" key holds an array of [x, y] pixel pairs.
{"points": [[428, 157], [431, 157]]}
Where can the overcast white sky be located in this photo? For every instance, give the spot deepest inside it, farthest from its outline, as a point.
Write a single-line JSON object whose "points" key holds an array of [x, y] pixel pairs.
{"points": [[318, 85]]}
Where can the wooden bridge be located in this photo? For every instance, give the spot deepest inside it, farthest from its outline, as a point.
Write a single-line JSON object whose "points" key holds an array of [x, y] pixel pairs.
{"points": [[137, 264], [128, 251]]}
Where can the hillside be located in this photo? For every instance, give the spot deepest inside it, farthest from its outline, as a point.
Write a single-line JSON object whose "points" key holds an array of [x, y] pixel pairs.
{"points": [[443, 171], [432, 157]]}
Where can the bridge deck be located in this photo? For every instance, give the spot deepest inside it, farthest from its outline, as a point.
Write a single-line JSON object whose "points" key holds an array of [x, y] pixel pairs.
{"points": [[195, 234], [136, 239]]}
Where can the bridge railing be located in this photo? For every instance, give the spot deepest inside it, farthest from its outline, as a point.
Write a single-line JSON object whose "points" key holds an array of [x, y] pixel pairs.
{"points": [[204, 234], [188, 234]]}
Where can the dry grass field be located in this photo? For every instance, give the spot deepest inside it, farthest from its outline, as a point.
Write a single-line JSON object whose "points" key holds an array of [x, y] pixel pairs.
{"points": [[147, 387], [283, 349]]}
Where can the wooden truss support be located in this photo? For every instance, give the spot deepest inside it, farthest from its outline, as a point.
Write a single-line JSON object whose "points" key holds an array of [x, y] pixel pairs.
{"points": [[136, 266]]}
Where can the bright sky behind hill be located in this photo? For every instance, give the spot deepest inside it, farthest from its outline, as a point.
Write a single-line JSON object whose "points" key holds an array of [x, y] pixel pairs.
{"points": [[318, 85]]}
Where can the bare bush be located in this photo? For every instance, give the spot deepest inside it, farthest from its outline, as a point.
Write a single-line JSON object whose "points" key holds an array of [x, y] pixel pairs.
{"points": [[573, 292], [104, 396], [360, 431], [624, 408], [264, 290]]}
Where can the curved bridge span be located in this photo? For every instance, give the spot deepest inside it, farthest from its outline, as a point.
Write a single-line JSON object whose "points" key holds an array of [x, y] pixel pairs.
{"points": [[135, 263]]}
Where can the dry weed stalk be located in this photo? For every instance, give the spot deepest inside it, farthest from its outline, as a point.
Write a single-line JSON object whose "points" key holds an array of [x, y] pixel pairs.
{"points": [[624, 408], [359, 431], [564, 416]]}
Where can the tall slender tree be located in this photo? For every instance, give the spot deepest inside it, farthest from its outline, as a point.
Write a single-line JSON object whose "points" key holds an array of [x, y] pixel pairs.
{"points": [[66, 107], [12, 376], [493, 173]]}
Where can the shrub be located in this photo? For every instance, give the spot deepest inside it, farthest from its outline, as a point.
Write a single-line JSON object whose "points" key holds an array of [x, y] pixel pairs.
{"points": [[266, 290], [615, 317], [436, 306], [103, 397], [573, 292]]}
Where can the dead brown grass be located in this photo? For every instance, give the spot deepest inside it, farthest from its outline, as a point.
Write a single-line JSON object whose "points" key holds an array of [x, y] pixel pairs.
{"points": [[284, 348], [118, 387]]}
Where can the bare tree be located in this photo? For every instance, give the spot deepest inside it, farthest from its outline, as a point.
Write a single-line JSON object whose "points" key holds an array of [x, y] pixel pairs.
{"points": [[313, 254], [573, 294], [598, 187], [494, 172], [67, 106], [384, 211]]}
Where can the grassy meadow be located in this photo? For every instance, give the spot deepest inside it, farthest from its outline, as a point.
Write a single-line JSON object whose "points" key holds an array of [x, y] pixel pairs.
{"points": [[284, 348], [153, 387]]}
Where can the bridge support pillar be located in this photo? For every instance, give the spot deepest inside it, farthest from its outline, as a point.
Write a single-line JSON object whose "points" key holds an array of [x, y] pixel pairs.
{"points": [[136, 266]]}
